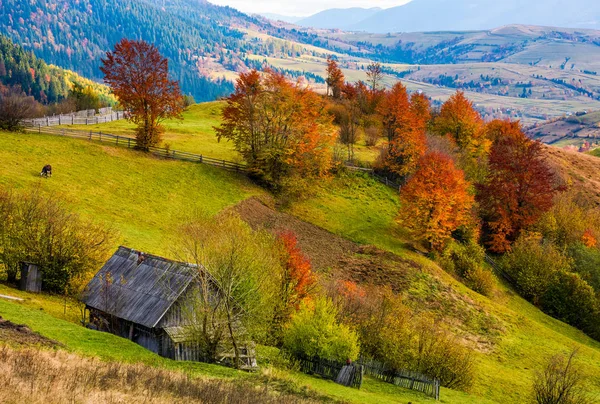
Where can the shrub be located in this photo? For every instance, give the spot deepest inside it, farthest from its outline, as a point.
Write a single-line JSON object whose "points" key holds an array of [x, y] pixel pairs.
{"points": [[372, 136], [465, 261], [559, 382], [38, 228], [315, 331], [586, 262], [437, 353], [481, 281], [570, 299], [533, 265]]}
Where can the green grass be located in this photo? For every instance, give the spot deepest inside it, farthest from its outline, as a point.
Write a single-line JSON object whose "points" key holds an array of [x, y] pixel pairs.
{"points": [[145, 198], [194, 134]]}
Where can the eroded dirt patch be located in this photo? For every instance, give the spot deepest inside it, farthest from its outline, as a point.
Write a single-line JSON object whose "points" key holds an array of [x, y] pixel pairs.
{"points": [[324, 249], [20, 334]]}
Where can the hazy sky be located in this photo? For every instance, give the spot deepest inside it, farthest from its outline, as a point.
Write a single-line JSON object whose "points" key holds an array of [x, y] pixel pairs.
{"points": [[302, 7]]}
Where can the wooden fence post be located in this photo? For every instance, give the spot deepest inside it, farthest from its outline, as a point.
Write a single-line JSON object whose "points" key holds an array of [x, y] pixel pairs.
{"points": [[90, 134], [129, 143]]}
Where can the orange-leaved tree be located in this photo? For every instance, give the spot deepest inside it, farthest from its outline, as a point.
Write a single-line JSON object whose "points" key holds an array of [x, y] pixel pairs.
{"points": [[335, 78], [139, 77], [518, 189], [458, 119], [281, 129], [405, 128], [436, 200]]}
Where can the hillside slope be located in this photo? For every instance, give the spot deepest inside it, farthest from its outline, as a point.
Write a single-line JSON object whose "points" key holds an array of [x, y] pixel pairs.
{"points": [[146, 198]]}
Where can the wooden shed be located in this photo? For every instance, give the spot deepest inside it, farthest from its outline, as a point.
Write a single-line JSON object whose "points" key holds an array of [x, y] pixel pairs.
{"points": [[140, 297], [31, 277]]}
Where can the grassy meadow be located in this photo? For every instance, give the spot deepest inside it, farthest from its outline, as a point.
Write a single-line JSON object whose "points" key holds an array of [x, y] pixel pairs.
{"points": [[146, 199]]}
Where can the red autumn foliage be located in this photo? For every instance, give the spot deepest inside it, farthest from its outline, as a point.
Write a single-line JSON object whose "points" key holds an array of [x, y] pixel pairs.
{"points": [[298, 278], [518, 189], [139, 77], [335, 78], [436, 200]]}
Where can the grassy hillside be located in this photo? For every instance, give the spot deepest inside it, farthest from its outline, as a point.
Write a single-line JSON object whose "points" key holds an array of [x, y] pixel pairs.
{"points": [[147, 198], [144, 198]]}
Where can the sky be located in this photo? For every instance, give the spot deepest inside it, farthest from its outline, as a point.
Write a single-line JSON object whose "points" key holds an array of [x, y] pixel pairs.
{"points": [[301, 8]]}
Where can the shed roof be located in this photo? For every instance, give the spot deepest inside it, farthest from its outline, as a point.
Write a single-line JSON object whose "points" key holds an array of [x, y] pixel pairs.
{"points": [[141, 293]]}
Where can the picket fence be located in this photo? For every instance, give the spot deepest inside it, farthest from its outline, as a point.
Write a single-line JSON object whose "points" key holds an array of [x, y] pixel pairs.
{"points": [[87, 117]]}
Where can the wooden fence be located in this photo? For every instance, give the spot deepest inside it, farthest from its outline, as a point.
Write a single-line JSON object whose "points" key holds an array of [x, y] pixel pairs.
{"points": [[328, 369], [371, 173], [403, 378], [73, 119], [129, 142], [498, 268]]}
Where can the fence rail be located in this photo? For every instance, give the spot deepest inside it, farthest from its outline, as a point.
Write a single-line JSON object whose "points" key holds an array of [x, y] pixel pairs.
{"points": [[500, 270], [371, 172], [329, 369], [129, 142], [74, 119], [403, 378]]}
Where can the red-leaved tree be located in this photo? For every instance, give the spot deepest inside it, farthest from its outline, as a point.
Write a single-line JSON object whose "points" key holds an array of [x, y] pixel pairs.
{"points": [[139, 77], [297, 281], [436, 200], [335, 78], [519, 187]]}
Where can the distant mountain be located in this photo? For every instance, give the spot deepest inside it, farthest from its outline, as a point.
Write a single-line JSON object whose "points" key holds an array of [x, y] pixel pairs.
{"points": [[444, 15], [340, 18], [281, 17]]}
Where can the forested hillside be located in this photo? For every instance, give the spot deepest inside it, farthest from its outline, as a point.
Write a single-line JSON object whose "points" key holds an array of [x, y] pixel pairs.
{"points": [[46, 83], [76, 34]]}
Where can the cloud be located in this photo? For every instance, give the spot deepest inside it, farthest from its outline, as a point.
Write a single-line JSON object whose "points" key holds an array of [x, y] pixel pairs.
{"points": [[302, 7]]}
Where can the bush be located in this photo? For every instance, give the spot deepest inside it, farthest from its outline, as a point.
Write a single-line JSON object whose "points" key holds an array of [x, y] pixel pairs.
{"points": [[315, 331], [465, 261], [559, 382], [437, 353], [391, 334], [586, 262], [533, 265], [481, 281], [37, 228], [570, 299]]}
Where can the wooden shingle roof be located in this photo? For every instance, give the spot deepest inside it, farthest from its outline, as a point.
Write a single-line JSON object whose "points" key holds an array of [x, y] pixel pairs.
{"points": [[138, 292]]}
